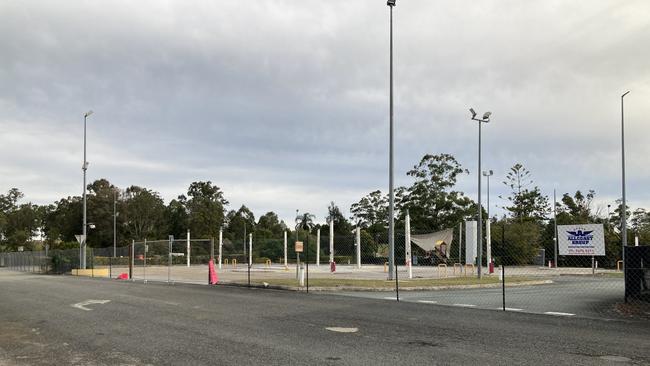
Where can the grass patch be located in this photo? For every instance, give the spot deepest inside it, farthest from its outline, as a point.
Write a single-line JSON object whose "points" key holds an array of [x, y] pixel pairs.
{"points": [[417, 282], [613, 274]]}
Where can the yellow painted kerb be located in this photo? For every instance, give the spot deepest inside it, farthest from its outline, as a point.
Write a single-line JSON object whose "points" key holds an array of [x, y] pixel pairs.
{"points": [[99, 272]]}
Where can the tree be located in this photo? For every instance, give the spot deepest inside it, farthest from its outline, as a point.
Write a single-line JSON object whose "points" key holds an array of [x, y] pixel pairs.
{"points": [[371, 212], [269, 226], [526, 202], [238, 222], [205, 208], [431, 200], [341, 225], [62, 221], [144, 213]]}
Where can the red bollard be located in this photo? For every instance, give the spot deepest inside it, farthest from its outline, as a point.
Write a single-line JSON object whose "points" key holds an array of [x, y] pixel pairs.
{"points": [[332, 267], [491, 267]]}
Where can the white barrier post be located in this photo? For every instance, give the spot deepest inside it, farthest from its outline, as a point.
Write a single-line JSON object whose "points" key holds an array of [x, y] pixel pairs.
{"points": [[285, 249], [358, 239], [188, 247], [250, 249], [317, 247], [220, 246], [331, 241], [407, 239], [489, 243]]}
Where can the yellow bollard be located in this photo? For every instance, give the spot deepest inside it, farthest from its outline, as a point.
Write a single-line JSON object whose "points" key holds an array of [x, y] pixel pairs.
{"points": [[234, 263], [460, 268], [386, 267], [226, 262], [619, 265], [267, 263]]}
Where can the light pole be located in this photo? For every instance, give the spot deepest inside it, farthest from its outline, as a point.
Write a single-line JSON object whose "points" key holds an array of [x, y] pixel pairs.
{"points": [[484, 119], [555, 228], [115, 224], [488, 229], [391, 196], [624, 208], [82, 254]]}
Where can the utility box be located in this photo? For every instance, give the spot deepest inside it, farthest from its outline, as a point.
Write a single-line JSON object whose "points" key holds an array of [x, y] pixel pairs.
{"points": [[637, 273]]}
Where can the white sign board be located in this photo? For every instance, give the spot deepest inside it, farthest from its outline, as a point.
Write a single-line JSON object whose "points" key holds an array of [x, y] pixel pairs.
{"points": [[586, 239], [470, 241]]}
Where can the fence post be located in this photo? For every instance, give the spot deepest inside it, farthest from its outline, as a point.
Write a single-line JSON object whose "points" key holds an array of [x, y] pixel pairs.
{"points": [[131, 255], [331, 241], [169, 261], [188, 247], [212, 249], [503, 285], [144, 261], [92, 263], [285, 250], [220, 246], [318, 247], [358, 240]]}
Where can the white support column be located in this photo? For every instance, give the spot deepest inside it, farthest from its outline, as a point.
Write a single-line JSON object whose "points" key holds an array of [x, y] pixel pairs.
{"points": [[285, 249], [407, 243], [317, 247], [188, 248], [358, 240], [489, 243], [250, 249], [331, 241], [220, 246]]}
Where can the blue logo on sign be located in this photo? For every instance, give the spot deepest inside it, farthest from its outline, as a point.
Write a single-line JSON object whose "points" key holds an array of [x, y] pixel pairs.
{"points": [[580, 237]]}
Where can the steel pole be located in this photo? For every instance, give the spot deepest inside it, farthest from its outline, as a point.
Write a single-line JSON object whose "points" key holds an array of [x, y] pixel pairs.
{"points": [[480, 209], [624, 208], [82, 252], [391, 196], [555, 229], [115, 224]]}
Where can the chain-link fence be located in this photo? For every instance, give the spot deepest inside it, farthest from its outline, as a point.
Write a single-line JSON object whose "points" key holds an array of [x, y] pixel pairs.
{"points": [[511, 275]]}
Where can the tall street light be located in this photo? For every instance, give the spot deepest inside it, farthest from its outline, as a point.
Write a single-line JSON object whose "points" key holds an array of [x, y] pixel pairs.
{"points": [[484, 119], [488, 229], [623, 213], [391, 196], [82, 254], [115, 213]]}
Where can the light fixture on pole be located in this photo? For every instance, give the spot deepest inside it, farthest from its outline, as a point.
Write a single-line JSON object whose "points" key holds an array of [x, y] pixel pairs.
{"points": [[484, 119], [82, 245], [391, 195], [624, 205]]}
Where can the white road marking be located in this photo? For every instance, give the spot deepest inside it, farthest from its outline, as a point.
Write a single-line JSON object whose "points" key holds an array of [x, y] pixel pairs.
{"points": [[558, 313], [390, 298], [511, 309], [428, 301], [342, 330], [82, 305], [465, 305]]}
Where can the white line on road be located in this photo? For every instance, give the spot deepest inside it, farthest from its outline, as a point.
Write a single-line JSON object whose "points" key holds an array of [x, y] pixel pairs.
{"points": [[342, 330], [82, 305], [465, 305], [428, 301], [511, 309], [390, 298], [558, 313]]}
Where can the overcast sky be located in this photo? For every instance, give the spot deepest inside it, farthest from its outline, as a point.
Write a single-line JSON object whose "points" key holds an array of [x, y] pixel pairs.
{"points": [[284, 104]]}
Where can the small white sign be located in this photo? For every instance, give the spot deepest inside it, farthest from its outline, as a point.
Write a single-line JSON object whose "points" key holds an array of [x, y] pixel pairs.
{"points": [[80, 238], [586, 239]]}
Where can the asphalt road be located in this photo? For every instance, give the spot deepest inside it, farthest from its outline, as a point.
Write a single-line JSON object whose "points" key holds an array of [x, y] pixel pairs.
{"points": [[583, 296], [44, 321]]}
